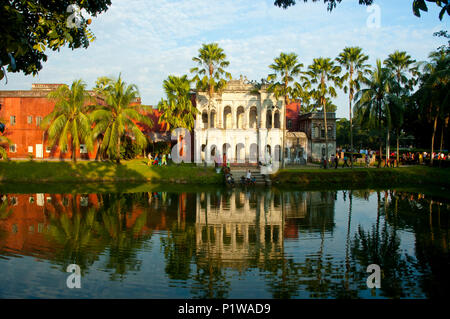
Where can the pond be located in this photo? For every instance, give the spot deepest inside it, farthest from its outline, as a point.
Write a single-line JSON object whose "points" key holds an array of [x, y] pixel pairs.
{"points": [[224, 243]]}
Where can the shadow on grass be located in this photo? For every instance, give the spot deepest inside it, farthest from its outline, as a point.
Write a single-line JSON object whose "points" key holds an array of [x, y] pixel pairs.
{"points": [[67, 177]]}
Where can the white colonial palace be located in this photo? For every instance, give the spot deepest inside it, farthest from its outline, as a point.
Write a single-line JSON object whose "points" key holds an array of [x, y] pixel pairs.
{"points": [[239, 123], [244, 125]]}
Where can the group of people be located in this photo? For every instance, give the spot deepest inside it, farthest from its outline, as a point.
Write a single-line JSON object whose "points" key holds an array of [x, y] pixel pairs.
{"points": [[247, 180], [159, 159], [347, 161]]}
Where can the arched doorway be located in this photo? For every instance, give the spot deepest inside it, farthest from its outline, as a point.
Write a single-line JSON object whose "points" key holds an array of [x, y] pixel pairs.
{"points": [[227, 118], [253, 117], [240, 153], [240, 117], [276, 120], [269, 119]]}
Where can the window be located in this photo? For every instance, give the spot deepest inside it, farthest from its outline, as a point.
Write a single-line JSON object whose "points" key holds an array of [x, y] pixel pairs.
{"points": [[13, 148], [30, 149], [289, 124], [13, 119], [29, 119], [38, 120], [83, 149]]}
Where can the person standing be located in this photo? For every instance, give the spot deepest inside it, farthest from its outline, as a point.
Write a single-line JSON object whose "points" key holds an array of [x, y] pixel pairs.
{"points": [[164, 160], [345, 162], [336, 161], [150, 159]]}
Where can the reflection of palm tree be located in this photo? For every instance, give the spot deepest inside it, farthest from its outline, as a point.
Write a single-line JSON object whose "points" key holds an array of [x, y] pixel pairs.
{"points": [[371, 247], [73, 234], [123, 240]]}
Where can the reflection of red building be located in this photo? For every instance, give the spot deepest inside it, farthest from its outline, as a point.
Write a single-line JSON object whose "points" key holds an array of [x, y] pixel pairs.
{"points": [[22, 112], [24, 228]]}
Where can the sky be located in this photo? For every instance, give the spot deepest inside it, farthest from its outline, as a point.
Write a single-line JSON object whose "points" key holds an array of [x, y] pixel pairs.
{"points": [[147, 40]]}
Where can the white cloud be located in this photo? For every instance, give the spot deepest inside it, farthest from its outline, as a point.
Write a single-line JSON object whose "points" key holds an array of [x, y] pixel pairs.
{"points": [[148, 40]]}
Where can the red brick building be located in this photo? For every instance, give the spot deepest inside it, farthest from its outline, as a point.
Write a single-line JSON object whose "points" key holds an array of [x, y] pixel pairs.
{"points": [[22, 112]]}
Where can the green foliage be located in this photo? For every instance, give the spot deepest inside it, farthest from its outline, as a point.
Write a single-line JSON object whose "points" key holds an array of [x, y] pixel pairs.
{"points": [[118, 117], [30, 26], [128, 149], [177, 111], [285, 68], [331, 4], [417, 5], [210, 74], [68, 125]]}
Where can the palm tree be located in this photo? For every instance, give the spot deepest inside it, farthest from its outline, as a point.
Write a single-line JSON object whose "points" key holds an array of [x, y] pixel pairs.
{"points": [[400, 63], [68, 123], [354, 61], [177, 110], [434, 90], [210, 71], [286, 67], [119, 116], [4, 141], [372, 102], [322, 71], [210, 74]]}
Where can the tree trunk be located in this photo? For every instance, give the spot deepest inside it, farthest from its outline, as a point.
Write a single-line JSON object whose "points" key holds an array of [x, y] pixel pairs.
{"points": [[432, 137], [350, 112], [118, 151], [326, 130], [388, 142], [351, 132], [286, 101], [398, 147]]}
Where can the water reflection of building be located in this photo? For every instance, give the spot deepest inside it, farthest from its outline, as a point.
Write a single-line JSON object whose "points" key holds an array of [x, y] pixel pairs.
{"points": [[239, 227]]}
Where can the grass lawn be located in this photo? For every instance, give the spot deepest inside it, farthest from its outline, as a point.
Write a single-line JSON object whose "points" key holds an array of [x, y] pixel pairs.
{"points": [[363, 177], [90, 171]]}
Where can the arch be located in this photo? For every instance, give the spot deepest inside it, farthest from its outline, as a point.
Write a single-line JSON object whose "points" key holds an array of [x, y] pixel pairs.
{"points": [[269, 118], [253, 117], [240, 153], [240, 117], [226, 152], [267, 154], [205, 119], [253, 154], [276, 120], [203, 152], [212, 119], [227, 118], [277, 153]]}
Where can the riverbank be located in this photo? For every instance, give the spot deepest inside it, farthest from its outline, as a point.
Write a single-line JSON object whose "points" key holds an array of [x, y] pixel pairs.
{"points": [[135, 174], [133, 171], [364, 177]]}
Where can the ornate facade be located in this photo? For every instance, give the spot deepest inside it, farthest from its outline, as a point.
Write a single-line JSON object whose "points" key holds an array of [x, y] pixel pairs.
{"points": [[242, 124]]}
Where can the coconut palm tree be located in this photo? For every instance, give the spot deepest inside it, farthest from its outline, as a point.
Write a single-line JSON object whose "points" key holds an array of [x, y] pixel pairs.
{"points": [[285, 67], [401, 65], [119, 117], [434, 90], [210, 74], [354, 61], [4, 141], [69, 124], [372, 101], [177, 110], [322, 72]]}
